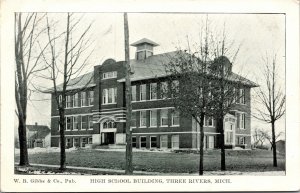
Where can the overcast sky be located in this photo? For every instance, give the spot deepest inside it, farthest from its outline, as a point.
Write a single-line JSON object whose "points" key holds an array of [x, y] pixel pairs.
{"points": [[258, 34]]}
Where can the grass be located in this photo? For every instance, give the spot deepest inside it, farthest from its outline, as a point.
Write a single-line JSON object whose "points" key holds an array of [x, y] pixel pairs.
{"points": [[244, 160]]}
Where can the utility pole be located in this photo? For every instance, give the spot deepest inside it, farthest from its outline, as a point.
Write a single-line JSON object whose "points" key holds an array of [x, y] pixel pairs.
{"points": [[128, 165]]}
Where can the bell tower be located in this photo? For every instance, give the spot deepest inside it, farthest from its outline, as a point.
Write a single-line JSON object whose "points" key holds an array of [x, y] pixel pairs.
{"points": [[144, 48]]}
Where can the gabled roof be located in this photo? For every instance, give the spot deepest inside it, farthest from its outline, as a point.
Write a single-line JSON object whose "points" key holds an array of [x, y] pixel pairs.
{"points": [[144, 40], [41, 130], [85, 80], [154, 67]]}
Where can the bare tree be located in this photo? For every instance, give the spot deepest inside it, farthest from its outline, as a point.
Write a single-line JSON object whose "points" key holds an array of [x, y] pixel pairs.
{"points": [[266, 134], [258, 137], [271, 99], [66, 60], [27, 57], [203, 84], [128, 161]]}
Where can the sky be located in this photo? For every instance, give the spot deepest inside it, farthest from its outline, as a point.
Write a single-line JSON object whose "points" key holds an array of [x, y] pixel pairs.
{"points": [[258, 35]]}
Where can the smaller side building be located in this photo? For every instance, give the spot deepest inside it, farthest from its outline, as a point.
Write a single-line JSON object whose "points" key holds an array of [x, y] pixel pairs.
{"points": [[37, 136]]}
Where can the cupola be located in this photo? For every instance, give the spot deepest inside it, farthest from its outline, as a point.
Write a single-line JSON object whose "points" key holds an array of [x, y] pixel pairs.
{"points": [[144, 48]]}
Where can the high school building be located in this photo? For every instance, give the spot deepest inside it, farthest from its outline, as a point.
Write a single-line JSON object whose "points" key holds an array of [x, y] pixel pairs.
{"points": [[96, 113]]}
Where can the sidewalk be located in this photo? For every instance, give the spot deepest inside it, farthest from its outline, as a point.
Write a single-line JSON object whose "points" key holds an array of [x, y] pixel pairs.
{"points": [[122, 172]]}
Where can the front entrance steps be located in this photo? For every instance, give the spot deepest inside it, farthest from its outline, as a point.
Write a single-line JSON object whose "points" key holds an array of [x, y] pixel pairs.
{"points": [[111, 146]]}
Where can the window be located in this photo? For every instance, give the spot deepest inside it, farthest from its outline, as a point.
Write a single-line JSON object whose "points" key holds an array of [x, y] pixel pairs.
{"points": [[163, 141], [90, 140], [133, 93], [84, 122], [60, 99], [91, 122], [75, 100], [133, 119], [208, 121], [143, 119], [76, 123], [242, 96], [175, 118], [68, 101], [143, 142], [68, 143], [175, 88], [153, 91], [164, 117], [108, 75], [153, 118], [242, 140], [164, 90], [133, 141], [83, 99], [109, 124], [153, 142], [76, 142], [142, 92], [175, 141], [229, 137], [68, 123], [242, 120], [83, 142], [91, 98], [237, 96], [109, 96]]}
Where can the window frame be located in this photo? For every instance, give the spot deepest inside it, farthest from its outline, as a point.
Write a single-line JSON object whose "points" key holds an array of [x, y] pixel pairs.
{"points": [[133, 94], [83, 99], [172, 118], [91, 99], [242, 98], [77, 123], [133, 114], [75, 100], [151, 91], [141, 92], [105, 96], [143, 142], [68, 102], [109, 75], [90, 120], [166, 141], [141, 118], [161, 118], [151, 117]]}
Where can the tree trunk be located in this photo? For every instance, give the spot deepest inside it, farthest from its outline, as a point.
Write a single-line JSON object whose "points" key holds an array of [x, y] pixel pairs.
{"points": [[222, 143], [128, 155], [274, 145], [23, 143], [201, 145], [62, 140]]}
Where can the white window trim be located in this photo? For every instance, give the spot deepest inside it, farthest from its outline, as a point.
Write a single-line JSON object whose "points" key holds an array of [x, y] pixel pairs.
{"points": [[242, 126], [67, 123], [161, 125], [161, 89], [89, 128], [153, 126], [89, 98], [67, 101], [141, 142], [242, 99], [172, 117], [141, 119], [211, 122], [176, 142], [160, 142], [81, 99], [74, 117], [142, 92], [81, 128], [151, 141], [114, 92], [242, 140], [113, 74], [81, 141], [151, 91], [75, 99]]}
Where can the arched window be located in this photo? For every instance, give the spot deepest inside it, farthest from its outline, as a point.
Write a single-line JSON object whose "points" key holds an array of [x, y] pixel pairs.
{"points": [[109, 124]]}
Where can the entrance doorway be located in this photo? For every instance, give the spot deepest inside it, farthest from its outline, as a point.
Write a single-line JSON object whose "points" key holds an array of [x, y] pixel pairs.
{"points": [[108, 138]]}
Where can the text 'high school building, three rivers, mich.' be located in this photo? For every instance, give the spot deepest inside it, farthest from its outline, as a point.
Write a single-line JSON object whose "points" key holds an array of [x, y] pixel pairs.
{"points": [[96, 115]]}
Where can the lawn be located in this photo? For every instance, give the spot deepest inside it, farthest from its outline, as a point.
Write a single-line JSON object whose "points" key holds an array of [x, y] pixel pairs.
{"points": [[239, 160]]}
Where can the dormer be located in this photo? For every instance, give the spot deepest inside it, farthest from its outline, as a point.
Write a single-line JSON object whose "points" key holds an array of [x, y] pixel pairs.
{"points": [[144, 48]]}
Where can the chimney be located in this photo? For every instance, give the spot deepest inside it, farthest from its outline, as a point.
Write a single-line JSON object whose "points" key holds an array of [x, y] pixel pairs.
{"points": [[144, 48]]}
